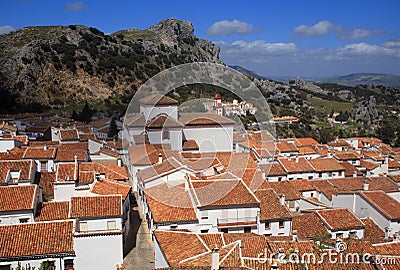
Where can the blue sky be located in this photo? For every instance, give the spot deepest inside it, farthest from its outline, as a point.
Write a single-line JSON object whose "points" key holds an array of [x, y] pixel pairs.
{"points": [[274, 38]]}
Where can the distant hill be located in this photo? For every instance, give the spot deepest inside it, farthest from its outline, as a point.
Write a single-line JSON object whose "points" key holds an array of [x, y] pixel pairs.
{"points": [[248, 72], [364, 78]]}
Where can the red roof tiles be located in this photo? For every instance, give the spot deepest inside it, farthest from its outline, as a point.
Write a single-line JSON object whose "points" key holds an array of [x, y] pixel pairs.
{"points": [[53, 211], [96, 206], [270, 207], [106, 187], [16, 198], [43, 238], [339, 219], [383, 203]]}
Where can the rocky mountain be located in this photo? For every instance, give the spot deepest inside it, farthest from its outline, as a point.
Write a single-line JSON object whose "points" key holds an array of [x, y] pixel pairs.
{"points": [[364, 78], [58, 67]]}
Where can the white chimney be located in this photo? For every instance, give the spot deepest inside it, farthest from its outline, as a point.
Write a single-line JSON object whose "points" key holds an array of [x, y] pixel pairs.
{"points": [[294, 236], [160, 159], [365, 186], [282, 199], [76, 168], [329, 154], [387, 231], [354, 174], [297, 159], [215, 259], [263, 175], [45, 148], [119, 162]]}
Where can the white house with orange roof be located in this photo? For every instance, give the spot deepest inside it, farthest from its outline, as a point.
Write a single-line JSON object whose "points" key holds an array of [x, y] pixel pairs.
{"points": [[17, 172], [19, 204]]}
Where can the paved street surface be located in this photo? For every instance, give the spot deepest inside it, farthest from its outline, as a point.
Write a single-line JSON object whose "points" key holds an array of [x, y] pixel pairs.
{"points": [[138, 249]]}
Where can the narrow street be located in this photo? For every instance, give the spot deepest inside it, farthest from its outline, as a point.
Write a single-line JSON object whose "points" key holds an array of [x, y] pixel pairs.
{"points": [[138, 249]]}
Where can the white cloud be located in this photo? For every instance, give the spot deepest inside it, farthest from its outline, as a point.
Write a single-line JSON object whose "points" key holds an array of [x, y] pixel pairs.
{"points": [[364, 49], [5, 29], [75, 6], [286, 59], [319, 29], [226, 27], [325, 27]]}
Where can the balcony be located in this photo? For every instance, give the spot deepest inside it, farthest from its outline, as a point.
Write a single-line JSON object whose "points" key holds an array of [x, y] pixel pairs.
{"points": [[236, 222]]}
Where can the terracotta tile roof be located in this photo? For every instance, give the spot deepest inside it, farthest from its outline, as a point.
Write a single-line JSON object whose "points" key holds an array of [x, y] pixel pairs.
{"points": [[368, 165], [199, 119], [339, 219], [13, 154], [96, 206], [64, 155], [69, 135], [44, 238], [391, 248], [147, 154], [349, 169], [106, 187], [40, 153], [170, 204], [326, 165], [338, 143], [356, 183], [16, 198], [237, 161], [393, 164], [395, 178], [285, 187], [274, 169], [296, 165], [305, 141], [251, 177], [26, 169], [158, 99], [303, 185], [46, 181], [53, 211], [177, 246], [109, 152], [307, 150], [86, 136], [202, 164], [22, 139], [112, 171], [135, 121], [346, 155], [115, 144], [66, 172], [270, 207], [325, 187], [213, 239], [286, 147], [385, 204], [220, 193], [100, 122], [167, 166], [163, 121], [309, 226], [190, 145], [372, 232]]}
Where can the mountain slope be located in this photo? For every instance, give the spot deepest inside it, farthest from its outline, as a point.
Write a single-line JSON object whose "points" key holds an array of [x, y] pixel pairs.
{"points": [[364, 78], [60, 66]]}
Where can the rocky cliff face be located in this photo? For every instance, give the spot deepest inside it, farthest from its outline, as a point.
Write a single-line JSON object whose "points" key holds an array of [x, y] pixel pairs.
{"points": [[60, 66]]}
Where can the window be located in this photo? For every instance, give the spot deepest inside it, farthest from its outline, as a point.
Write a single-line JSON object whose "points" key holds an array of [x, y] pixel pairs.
{"points": [[203, 231], [68, 263], [23, 220], [319, 175], [267, 225], [353, 235], [224, 230], [281, 224], [165, 134], [83, 226], [279, 178], [111, 225], [5, 267], [247, 229], [310, 177], [43, 166]]}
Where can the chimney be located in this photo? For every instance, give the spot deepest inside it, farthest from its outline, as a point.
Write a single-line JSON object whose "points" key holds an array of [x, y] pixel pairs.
{"points": [[264, 175], [354, 174], [119, 162], [365, 186], [282, 199], [329, 154], [160, 159], [387, 231], [76, 168], [396, 237], [294, 236], [45, 148], [297, 159], [215, 258]]}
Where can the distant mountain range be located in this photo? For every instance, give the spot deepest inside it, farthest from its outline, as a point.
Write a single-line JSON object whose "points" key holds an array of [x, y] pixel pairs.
{"points": [[350, 80], [364, 78]]}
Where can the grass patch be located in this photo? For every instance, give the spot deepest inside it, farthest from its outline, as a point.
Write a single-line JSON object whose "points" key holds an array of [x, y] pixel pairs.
{"points": [[327, 105]]}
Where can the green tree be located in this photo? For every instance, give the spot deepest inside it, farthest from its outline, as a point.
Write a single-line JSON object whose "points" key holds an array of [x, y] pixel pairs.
{"points": [[113, 128], [86, 113]]}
